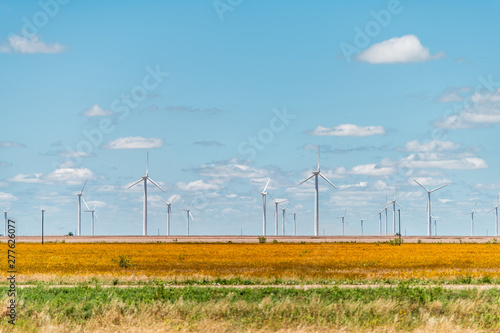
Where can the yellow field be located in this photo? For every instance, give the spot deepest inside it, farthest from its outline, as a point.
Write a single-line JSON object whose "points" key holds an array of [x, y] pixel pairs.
{"points": [[304, 262]]}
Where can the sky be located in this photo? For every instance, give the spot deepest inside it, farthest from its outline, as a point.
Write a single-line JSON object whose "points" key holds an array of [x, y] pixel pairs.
{"points": [[227, 94]]}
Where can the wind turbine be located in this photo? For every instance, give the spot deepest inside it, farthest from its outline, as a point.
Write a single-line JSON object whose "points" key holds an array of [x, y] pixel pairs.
{"points": [[188, 213], [472, 219], [169, 213], [435, 224], [362, 220], [495, 209], [80, 197], [264, 193], [429, 219], [315, 174], [145, 179], [276, 203], [394, 203], [284, 218], [93, 213], [5, 215], [295, 221], [343, 220]]}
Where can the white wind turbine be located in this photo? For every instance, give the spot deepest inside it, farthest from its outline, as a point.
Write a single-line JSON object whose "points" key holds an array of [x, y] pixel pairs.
{"points": [[145, 179], [264, 194], [295, 221], [80, 197], [362, 220], [496, 217], [284, 218], [472, 214], [188, 213], [429, 219], [6, 220], [169, 212], [93, 214], [276, 203], [435, 224], [394, 203], [343, 220], [315, 174]]}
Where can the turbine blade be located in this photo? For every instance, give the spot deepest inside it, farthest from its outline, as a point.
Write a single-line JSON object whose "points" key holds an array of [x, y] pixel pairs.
{"points": [[400, 206], [305, 180], [422, 186], [85, 202], [327, 180], [265, 187], [287, 204], [191, 204], [164, 201], [81, 192], [272, 196], [97, 217], [152, 181], [438, 188], [192, 218], [137, 182], [173, 199]]}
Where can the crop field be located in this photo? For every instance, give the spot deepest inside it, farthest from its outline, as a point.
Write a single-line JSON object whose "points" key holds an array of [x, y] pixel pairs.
{"points": [[163, 287], [259, 263]]}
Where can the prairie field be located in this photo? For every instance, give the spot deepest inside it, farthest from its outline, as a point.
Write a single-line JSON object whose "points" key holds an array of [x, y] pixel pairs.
{"points": [[259, 263]]}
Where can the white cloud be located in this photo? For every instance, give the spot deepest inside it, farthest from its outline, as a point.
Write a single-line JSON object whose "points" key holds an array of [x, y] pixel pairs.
{"points": [[360, 184], [69, 176], [11, 144], [19, 44], [429, 181], [7, 197], [397, 50], [433, 160], [485, 110], [453, 94], [429, 146], [62, 175], [197, 185], [223, 171], [34, 178], [349, 130], [97, 111], [134, 142], [364, 170]]}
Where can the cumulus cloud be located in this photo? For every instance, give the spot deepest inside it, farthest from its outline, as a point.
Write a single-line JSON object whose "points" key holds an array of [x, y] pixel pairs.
{"points": [[397, 50], [434, 145], [96, 111], [7, 197], [433, 160], [63, 175], [134, 142], [11, 144], [484, 109], [197, 185], [229, 169], [19, 44], [348, 130]]}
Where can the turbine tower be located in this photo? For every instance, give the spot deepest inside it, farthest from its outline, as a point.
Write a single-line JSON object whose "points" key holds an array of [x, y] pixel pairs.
{"points": [[6, 220], [394, 203], [188, 213], [379, 222], [494, 208], [472, 219], [429, 217], [264, 194], [169, 213], [295, 221], [276, 203], [284, 218], [435, 224], [145, 179], [80, 197], [343, 220], [315, 174], [93, 214], [362, 220]]}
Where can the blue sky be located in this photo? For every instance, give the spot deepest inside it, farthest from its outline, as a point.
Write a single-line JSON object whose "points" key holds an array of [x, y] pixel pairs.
{"points": [[226, 94]]}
